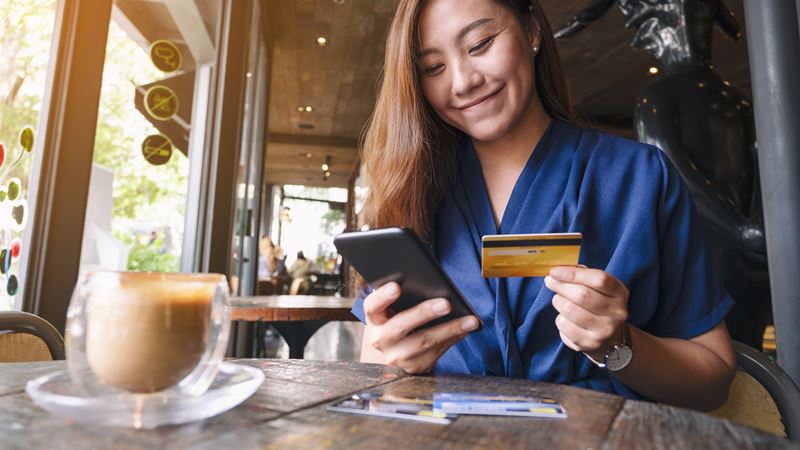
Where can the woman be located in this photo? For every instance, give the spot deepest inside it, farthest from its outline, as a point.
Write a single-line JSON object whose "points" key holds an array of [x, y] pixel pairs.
{"points": [[270, 260], [473, 134]]}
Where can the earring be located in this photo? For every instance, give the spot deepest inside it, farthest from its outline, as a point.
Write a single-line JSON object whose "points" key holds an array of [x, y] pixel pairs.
{"points": [[535, 50]]}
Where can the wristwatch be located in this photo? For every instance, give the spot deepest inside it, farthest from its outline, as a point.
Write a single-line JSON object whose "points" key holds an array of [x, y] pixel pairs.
{"points": [[619, 356]]}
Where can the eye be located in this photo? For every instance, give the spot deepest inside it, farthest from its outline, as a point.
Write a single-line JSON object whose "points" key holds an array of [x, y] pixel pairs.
{"points": [[432, 70], [481, 45]]}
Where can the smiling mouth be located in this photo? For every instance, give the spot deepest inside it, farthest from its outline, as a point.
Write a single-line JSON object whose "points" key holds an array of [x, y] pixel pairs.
{"points": [[479, 101]]}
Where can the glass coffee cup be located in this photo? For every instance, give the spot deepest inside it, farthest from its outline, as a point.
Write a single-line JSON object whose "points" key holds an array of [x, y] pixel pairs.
{"points": [[144, 333]]}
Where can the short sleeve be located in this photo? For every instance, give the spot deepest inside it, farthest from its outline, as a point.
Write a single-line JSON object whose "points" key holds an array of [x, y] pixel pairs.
{"points": [[692, 299]]}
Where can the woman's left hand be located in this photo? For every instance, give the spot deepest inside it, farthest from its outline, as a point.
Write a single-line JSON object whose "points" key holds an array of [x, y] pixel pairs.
{"points": [[592, 307]]}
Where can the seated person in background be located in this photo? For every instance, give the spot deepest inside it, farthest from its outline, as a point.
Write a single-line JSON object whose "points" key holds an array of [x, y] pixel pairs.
{"points": [[271, 260], [272, 276], [299, 271]]}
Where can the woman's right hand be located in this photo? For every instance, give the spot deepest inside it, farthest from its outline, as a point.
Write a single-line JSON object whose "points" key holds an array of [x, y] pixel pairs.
{"points": [[393, 334]]}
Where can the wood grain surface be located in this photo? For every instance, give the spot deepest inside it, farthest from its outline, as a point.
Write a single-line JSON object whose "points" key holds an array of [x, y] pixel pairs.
{"points": [[291, 308], [643, 425], [590, 416], [290, 386], [288, 412]]}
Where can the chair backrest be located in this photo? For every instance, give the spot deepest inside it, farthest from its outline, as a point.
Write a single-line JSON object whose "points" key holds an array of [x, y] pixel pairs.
{"points": [[25, 337], [762, 395]]}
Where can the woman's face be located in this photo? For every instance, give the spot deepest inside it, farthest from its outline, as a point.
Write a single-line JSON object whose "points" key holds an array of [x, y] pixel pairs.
{"points": [[476, 66]]}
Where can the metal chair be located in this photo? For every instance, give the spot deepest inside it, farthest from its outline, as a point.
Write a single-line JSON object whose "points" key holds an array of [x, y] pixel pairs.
{"points": [[762, 395], [17, 324]]}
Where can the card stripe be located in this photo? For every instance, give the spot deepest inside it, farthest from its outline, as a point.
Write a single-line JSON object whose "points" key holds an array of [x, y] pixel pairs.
{"points": [[533, 243]]}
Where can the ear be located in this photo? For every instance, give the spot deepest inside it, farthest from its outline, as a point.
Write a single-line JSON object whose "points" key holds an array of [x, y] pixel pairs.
{"points": [[535, 35], [536, 39]]}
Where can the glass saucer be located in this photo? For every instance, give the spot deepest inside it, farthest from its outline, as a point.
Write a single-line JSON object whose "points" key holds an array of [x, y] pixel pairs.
{"points": [[56, 393]]}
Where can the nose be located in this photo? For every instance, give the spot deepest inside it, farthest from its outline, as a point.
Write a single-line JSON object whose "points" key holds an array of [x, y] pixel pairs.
{"points": [[465, 78]]}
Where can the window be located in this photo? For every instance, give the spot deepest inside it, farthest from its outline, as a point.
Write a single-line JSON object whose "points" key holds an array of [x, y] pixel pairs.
{"points": [[25, 45], [151, 119], [309, 219]]}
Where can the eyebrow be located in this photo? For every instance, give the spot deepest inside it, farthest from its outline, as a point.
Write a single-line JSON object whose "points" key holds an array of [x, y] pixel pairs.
{"points": [[460, 35]]}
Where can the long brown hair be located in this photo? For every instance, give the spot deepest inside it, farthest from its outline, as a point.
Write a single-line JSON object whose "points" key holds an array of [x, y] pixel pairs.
{"points": [[409, 152]]}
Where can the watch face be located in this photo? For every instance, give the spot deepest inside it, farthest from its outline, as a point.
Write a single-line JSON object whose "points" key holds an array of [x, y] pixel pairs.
{"points": [[619, 357]]}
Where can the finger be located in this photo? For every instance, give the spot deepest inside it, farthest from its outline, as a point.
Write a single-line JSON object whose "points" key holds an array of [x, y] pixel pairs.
{"points": [[584, 318], [568, 342], [596, 279], [403, 323], [584, 340], [584, 296], [376, 305], [424, 362], [434, 339]]}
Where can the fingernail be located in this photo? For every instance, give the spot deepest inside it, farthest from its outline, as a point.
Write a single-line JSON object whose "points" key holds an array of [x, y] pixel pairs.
{"points": [[440, 307], [560, 273], [392, 289], [548, 280], [469, 324]]}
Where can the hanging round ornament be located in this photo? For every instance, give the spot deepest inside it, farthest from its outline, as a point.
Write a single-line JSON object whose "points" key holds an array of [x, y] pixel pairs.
{"points": [[26, 138], [5, 261], [14, 188], [19, 214], [13, 285], [16, 248]]}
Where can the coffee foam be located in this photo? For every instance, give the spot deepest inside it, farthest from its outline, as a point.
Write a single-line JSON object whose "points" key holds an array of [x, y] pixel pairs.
{"points": [[147, 335]]}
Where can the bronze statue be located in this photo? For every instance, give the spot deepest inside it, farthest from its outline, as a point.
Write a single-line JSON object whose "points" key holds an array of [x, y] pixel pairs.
{"points": [[706, 128]]}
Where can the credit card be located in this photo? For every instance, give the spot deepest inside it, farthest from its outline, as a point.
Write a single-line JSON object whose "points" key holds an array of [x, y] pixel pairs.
{"points": [[496, 405], [528, 255]]}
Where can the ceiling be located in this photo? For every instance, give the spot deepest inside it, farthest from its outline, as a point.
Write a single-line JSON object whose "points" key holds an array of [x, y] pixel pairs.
{"points": [[339, 80]]}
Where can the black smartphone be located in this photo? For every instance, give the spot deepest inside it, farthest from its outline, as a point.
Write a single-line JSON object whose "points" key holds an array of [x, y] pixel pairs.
{"points": [[396, 254]]}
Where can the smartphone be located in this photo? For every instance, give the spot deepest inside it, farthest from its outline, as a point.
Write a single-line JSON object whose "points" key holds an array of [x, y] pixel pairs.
{"points": [[396, 254]]}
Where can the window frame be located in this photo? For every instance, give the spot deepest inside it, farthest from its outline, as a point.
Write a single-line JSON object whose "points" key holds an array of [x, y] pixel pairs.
{"points": [[61, 169], [63, 160]]}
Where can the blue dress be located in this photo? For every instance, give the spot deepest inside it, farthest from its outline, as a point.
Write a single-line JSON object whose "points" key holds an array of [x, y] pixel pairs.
{"points": [[638, 223]]}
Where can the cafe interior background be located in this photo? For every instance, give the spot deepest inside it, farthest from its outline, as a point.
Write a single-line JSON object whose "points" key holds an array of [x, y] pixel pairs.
{"points": [[182, 135]]}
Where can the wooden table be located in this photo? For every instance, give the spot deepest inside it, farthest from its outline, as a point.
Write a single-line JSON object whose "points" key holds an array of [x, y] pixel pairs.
{"points": [[288, 412], [295, 317]]}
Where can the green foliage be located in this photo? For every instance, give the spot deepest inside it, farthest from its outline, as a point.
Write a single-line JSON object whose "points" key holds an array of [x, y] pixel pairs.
{"points": [[142, 192], [331, 220], [26, 28], [149, 258]]}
